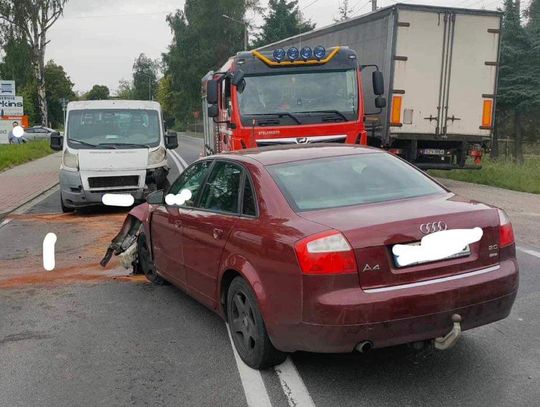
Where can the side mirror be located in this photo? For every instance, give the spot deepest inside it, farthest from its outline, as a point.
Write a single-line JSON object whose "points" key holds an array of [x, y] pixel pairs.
{"points": [[213, 111], [156, 198], [238, 77], [212, 92], [57, 141], [380, 102], [171, 140], [378, 82]]}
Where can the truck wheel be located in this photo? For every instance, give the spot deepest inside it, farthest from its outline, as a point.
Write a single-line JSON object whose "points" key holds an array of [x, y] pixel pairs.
{"points": [[247, 328], [146, 264], [65, 209]]}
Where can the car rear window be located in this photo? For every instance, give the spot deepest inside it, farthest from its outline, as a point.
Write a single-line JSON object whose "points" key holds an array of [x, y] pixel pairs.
{"points": [[351, 180]]}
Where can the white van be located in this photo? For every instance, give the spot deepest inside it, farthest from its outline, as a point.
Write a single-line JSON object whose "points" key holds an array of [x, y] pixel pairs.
{"points": [[112, 146]]}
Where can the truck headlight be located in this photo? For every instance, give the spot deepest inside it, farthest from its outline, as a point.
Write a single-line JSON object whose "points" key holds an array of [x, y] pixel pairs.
{"points": [[71, 160], [156, 156]]}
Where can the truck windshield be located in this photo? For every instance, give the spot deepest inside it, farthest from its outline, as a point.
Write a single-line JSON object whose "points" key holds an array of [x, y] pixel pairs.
{"points": [[114, 128], [305, 95]]}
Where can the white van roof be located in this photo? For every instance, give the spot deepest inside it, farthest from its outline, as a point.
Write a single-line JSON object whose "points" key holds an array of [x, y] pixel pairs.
{"points": [[114, 104]]}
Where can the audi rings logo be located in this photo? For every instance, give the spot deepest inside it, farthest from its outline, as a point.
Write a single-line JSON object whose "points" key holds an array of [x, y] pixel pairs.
{"points": [[433, 227]]}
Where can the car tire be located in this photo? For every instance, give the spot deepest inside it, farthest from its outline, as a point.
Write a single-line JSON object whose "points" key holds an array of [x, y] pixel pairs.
{"points": [[247, 328], [145, 263], [65, 209]]}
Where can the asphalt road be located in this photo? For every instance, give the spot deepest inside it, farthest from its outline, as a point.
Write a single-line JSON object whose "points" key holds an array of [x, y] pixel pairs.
{"points": [[81, 335]]}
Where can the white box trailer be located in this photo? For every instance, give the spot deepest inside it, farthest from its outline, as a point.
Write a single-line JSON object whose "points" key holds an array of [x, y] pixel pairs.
{"points": [[440, 66]]}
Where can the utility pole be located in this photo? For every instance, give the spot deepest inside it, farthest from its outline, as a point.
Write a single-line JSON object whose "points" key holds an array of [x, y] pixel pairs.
{"points": [[373, 5], [246, 29]]}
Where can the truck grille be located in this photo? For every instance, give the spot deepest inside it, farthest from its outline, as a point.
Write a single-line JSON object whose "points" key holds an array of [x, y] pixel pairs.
{"points": [[301, 140], [111, 182]]}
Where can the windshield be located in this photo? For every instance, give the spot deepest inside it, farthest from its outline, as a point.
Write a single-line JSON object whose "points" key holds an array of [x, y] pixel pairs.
{"points": [[113, 127], [304, 95], [353, 180]]}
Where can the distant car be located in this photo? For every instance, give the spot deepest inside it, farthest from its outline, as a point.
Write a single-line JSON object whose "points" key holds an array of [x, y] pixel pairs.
{"points": [[38, 133], [294, 247]]}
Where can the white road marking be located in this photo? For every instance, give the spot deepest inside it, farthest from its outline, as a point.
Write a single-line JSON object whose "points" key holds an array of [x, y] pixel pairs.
{"points": [[184, 163], [48, 251], [176, 160], [293, 386], [252, 381], [529, 251], [5, 222]]}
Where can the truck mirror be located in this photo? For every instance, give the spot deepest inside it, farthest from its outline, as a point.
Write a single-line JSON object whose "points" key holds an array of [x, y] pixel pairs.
{"points": [[378, 82], [171, 140], [57, 141], [238, 78], [212, 92], [380, 102], [213, 111]]}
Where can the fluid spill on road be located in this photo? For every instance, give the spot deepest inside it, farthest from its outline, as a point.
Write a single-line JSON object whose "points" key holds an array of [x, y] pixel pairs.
{"points": [[82, 241]]}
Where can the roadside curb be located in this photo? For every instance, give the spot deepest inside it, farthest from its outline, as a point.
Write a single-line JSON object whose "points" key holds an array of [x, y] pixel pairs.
{"points": [[28, 201]]}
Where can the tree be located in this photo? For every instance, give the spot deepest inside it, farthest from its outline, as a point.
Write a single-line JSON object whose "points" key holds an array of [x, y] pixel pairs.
{"points": [[98, 92], [15, 64], [59, 86], [283, 20], [34, 18], [145, 71], [344, 11], [202, 41], [164, 96], [125, 90]]}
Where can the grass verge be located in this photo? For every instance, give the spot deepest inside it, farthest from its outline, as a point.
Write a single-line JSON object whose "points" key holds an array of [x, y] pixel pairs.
{"points": [[16, 154], [500, 173]]}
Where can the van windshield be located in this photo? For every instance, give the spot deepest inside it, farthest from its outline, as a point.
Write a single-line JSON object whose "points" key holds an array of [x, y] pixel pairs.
{"points": [[115, 128]]}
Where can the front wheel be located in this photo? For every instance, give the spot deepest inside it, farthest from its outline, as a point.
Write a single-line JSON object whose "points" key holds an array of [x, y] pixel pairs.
{"points": [[247, 328], [145, 263]]}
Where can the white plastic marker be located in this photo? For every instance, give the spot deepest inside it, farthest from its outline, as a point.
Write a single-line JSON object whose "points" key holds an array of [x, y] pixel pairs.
{"points": [[48, 251], [179, 199], [118, 199], [18, 131], [436, 246]]}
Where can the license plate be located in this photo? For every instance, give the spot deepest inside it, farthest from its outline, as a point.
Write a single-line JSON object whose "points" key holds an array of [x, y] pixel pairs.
{"points": [[463, 253], [433, 151]]}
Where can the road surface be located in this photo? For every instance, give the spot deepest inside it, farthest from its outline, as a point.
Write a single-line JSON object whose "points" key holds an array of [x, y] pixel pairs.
{"points": [[81, 335]]}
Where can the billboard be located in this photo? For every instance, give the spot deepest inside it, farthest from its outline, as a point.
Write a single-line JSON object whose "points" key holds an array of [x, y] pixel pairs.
{"points": [[11, 106], [7, 88]]}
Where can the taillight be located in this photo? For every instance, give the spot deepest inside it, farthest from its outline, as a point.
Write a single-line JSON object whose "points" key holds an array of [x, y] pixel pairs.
{"points": [[325, 253], [506, 233]]}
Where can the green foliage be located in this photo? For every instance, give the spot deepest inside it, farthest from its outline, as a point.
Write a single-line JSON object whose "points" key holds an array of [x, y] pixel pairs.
{"points": [[202, 41], [164, 96], [283, 20], [344, 11], [145, 71], [16, 62], [125, 90], [98, 92], [12, 155], [59, 86]]}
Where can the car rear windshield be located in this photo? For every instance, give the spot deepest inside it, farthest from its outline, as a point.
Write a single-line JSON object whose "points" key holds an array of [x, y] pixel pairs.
{"points": [[350, 180]]}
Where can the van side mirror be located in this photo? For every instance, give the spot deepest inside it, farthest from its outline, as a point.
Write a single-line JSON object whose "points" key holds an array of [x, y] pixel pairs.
{"points": [[171, 140], [213, 111], [156, 198], [380, 102], [56, 141], [212, 91], [378, 82]]}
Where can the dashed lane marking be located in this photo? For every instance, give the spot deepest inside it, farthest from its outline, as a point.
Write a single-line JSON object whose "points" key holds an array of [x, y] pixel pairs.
{"points": [[529, 252], [252, 381], [177, 162], [179, 157]]}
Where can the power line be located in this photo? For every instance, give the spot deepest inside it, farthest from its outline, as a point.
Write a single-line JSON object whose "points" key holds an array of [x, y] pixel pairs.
{"points": [[309, 5], [117, 15]]}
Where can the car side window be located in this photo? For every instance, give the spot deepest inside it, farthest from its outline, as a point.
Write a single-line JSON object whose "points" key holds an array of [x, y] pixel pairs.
{"points": [[248, 199], [192, 179], [221, 191]]}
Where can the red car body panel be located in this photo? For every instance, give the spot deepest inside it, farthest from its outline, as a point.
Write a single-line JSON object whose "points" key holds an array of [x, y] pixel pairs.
{"points": [[333, 313]]}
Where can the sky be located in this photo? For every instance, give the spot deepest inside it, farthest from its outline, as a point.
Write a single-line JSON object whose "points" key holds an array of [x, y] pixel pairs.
{"points": [[97, 41]]}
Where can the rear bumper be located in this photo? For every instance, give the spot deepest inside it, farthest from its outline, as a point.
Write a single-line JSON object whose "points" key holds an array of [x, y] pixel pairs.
{"points": [[337, 321], [437, 166]]}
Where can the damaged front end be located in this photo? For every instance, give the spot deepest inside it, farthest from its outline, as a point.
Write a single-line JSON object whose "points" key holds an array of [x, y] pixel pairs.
{"points": [[124, 243]]}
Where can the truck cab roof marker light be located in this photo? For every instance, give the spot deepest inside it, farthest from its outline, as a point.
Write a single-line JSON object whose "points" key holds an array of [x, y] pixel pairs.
{"points": [[306, 53], [319, 52], [259, 55], [293, 53], [279, 54]]}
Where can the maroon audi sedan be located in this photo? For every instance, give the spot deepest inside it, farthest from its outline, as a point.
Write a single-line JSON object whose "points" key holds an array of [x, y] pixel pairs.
{"points": [[293, 247]]}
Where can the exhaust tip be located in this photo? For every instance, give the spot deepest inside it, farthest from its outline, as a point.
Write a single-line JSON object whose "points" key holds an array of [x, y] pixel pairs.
{"points": [[364, 347]]}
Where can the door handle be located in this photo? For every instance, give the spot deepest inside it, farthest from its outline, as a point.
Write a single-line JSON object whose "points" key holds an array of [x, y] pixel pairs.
{"points": [[218, 233]]}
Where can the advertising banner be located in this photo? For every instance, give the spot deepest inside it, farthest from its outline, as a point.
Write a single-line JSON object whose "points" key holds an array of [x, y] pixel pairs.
{"points": [[11, 106], [7, 88]]}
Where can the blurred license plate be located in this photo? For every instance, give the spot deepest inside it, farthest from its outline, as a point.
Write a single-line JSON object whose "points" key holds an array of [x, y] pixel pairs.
{"points": [[465, 252], [432, 151]]}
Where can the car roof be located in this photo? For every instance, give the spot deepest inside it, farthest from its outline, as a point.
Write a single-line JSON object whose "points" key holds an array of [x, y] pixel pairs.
{"points": [[114, 104], [288, 153]]}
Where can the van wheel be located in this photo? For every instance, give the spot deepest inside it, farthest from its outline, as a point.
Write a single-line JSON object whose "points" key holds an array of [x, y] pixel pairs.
{"points": [[65, 209], [247, 328], [146, 264]]}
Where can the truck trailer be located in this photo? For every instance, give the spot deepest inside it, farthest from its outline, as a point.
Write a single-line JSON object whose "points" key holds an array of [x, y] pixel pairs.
{"points": [[440, 67]]}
